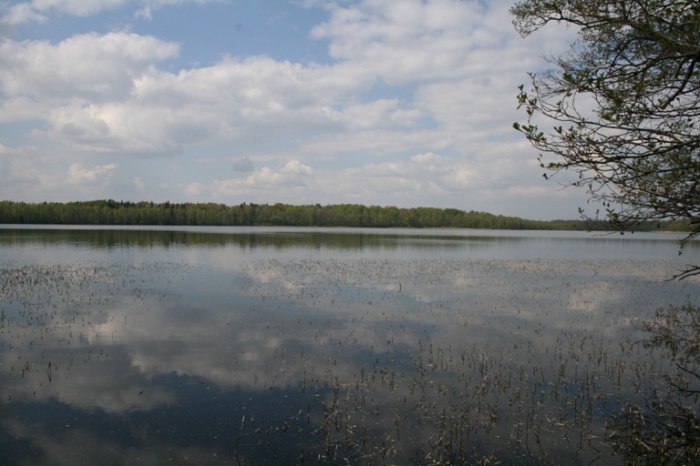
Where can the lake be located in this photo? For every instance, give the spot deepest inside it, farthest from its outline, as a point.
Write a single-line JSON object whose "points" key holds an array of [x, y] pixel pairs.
{"points": [[256, 346]]}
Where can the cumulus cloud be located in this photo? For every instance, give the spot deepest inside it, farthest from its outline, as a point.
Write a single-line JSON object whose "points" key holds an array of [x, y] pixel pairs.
{"points": [[78, 174], [295, 167], [292, 174], [72, 7], [21, 13], [436, 78], [409, 41], [86, 67], [285, 180], [38, 10], [105, 90]]}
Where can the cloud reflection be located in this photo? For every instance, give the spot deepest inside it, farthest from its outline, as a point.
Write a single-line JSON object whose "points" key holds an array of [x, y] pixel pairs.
{"points": [[327, 344]]}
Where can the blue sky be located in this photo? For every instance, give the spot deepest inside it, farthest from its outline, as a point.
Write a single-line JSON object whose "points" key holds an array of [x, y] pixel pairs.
{"points": [[380, 102]]}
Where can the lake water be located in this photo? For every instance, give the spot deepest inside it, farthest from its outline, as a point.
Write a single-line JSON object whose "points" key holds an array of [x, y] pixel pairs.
{"points": [[326, 346]]}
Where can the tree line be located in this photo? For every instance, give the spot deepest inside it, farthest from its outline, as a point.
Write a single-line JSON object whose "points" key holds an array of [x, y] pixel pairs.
{"points": [[111, 212]]}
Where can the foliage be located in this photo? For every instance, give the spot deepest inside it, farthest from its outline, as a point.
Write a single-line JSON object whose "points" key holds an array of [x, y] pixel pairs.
{"points": [[110, 212], [625, 104]]}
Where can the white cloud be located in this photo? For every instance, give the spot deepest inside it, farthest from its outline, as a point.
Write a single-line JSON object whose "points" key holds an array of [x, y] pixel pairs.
{"points": [[411, 40], [118, 101], [22, 13], [77, 174], [39, 10], [435, 78], [87, 67], [295, 167], [291, 174], [263, 185]]}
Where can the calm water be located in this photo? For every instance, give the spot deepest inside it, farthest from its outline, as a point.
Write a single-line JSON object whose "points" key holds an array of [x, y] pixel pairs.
{"points": [[325, 346]]}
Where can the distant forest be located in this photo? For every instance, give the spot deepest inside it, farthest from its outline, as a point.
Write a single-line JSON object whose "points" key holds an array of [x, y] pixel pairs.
{"points": [[111, 212]]}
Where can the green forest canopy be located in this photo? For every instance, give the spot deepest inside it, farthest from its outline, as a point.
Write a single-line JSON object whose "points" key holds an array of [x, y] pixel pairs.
{"points": [[111, 212]]}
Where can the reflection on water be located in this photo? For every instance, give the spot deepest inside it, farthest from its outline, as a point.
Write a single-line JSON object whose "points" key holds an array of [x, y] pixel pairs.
{"points": [[270, 346], [664, 426]]}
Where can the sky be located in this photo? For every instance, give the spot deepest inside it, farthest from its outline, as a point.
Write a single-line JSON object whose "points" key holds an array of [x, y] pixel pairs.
{"points": [[408, 103]]}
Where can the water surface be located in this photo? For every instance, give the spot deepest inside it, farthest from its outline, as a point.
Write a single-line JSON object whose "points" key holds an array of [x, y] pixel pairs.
{"points": [[324, 346]]}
